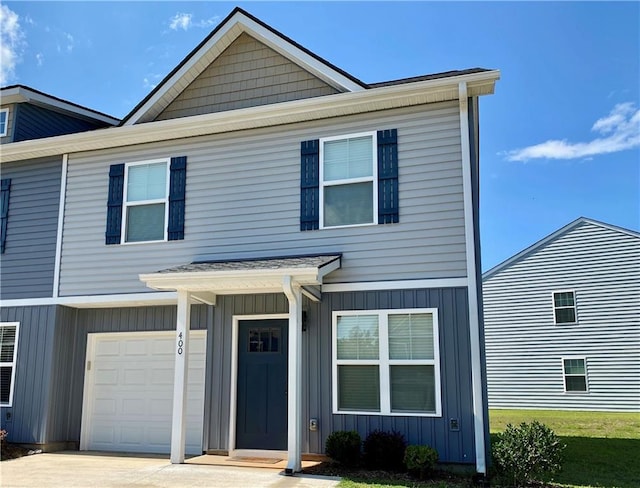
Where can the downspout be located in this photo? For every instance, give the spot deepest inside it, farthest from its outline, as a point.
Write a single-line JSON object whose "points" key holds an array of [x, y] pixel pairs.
{"points": [[472, 287], [293, 291]]}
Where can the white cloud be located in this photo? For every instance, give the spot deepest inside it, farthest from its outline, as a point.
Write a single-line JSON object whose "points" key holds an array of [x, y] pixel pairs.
{"points": [[69, 39], [149, 82], [619, 131], [39, 59], [11, 43], [180, 21]]}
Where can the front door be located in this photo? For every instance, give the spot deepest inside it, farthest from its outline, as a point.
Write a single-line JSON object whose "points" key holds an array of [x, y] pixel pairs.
{"points": [[261, 417]]}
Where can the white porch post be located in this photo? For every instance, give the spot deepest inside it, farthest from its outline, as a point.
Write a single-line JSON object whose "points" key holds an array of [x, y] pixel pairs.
{"points": [[178, 425], [293, 291]]}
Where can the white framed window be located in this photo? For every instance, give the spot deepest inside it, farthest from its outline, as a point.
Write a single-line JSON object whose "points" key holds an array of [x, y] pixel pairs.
{"points": [[145, 201], [348, 180], [4, 121], [575, 374], [564, 307], [386, 362], [8, 355]]}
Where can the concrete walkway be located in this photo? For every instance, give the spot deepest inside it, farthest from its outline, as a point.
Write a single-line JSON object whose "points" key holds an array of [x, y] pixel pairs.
{"points": [[83, 470]]}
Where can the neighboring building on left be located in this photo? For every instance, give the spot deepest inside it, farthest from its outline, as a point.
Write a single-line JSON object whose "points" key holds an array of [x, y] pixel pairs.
{"points": [[29, 241]]}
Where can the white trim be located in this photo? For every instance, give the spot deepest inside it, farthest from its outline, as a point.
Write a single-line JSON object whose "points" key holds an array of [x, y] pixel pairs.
{"points": [[58, 259], [6, 121], [126, 204], [396, 285], [13, 363], [233, 405], [98, 301], [564, 375], [349, 181], [341, 104], [384, 362], [474, 316], [180, 378], [554, 308]]}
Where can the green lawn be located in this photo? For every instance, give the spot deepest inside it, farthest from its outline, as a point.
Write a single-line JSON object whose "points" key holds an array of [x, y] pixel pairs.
{"points": [[603, 449]]}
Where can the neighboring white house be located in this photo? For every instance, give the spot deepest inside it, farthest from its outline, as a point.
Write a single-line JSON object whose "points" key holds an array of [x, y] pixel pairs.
{"points": [[562, 322]]}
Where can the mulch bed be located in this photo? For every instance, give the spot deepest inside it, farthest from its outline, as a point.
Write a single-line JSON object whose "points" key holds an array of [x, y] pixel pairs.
{"points": [[13, 451]]}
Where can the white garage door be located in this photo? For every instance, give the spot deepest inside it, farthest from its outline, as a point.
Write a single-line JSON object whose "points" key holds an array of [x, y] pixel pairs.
{"points": [[128, 395]]}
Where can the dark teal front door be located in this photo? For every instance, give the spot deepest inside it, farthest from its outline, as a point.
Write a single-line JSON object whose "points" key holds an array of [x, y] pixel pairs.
{"points": [[261, 417]]}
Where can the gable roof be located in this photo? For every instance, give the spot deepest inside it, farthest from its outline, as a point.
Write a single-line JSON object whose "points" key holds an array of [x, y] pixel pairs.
{"points": [[551, 237], [23, 94], [237, 22]]}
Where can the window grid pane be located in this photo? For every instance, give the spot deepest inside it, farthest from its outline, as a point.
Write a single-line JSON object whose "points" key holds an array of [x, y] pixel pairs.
{"points": [[348, 158], [350, 204], [412, 388], [576, 383], [563, 299], [574, 366], [147, 182], [145, 223], [358, 337], [359, 388], [411, 336]]}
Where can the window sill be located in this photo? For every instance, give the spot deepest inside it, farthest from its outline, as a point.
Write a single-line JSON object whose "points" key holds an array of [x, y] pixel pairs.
{"points": [[347, 226], [142, 242]]}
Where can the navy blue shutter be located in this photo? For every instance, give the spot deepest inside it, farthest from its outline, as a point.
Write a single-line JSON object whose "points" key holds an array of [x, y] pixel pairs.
{"points": [[5, 187], [310, 185], [177, 190], [388, 211], [114, 204]]}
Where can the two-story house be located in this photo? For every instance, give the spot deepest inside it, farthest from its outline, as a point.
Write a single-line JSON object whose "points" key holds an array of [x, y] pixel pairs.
{"points": [[267, 250], [562, 322]]}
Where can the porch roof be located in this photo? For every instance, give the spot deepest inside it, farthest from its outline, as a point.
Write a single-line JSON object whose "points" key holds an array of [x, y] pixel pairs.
{"points": [[255, 275]]}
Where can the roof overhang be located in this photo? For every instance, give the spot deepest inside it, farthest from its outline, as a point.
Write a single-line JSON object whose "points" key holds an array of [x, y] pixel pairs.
{"points": [[23, 94], [341, 104], [243, 276]]}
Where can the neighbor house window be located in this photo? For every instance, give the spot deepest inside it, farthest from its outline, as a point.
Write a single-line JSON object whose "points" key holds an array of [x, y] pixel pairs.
{"points": [[348, 174], [386, 362], [8, 353], [575, 374], [4, 115], [145, 201], [564, 307]]}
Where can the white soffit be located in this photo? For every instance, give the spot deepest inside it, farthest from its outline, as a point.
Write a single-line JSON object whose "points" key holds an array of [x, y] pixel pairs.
{"points": [[215, 46]]}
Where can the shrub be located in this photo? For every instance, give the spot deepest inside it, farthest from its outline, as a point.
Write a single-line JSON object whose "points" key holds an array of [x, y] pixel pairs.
{"points": [[384, 450], [420, 460], [527, 453], [344, 447]]}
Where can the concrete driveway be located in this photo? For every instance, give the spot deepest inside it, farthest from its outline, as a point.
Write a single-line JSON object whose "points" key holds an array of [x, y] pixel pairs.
{"points": [[82, 470]]}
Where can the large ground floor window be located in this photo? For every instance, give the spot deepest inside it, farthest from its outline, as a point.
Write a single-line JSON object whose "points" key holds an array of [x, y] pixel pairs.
{"points": [[386, 362]]}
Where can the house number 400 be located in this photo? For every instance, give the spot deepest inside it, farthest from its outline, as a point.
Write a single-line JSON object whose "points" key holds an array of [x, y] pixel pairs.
{"points": [[180, 343]]}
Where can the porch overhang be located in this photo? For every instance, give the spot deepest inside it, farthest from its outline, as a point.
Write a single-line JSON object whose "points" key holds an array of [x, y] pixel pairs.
{"points": [[247, 276]]}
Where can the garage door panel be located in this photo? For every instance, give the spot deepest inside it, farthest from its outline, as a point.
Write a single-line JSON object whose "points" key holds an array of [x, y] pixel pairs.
{"points": [[132, 389]]}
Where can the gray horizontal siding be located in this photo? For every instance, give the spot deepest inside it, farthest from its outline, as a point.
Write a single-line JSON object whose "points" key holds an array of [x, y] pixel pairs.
{"points": [[27, 265], [523, 346], [243, 201], [246, 74], [457, 400]]}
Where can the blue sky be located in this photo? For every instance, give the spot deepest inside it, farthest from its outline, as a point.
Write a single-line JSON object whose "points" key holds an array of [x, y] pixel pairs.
{"points": [[559, 139]]}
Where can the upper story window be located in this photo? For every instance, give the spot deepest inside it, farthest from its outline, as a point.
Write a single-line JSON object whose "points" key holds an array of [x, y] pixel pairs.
{"points": [[349, 180], [386, 362], [575, 374], [348, 174], [564, 307], [4, 116], [8, 354], [145, 201]]}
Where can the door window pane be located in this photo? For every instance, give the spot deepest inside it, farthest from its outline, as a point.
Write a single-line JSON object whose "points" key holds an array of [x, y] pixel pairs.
{"points": [[412, 388], [359, 388]]}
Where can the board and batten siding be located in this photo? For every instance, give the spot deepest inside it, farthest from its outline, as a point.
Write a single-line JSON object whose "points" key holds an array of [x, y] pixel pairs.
{"points": [[247, 74], [27, 264], [457, 402], [524, 348], [243, 201]]}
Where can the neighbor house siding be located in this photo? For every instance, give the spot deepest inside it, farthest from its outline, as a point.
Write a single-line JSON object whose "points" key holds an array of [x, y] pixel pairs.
{"points": [[247, 74], [34, 122], [243, 200], [27, 264], [457, 403], [525, 349]]}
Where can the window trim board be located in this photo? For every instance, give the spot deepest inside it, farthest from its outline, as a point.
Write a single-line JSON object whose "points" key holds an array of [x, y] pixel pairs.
{"points": [[385, 381], [5, 132], [13, 364], [554, 308], [564, 375]]}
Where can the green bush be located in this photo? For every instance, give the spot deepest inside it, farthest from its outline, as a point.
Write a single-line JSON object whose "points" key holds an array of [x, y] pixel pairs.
{"points": [[344, 447], [384, 450], [420, 460], [530, 452]]}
